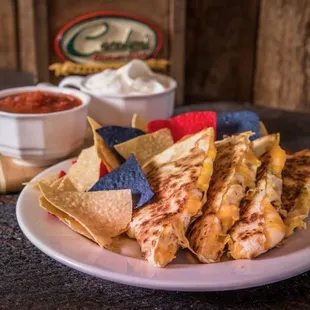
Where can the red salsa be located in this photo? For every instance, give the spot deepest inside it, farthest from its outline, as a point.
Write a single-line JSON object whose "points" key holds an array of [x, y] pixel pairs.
{"points": [[38, 102]]}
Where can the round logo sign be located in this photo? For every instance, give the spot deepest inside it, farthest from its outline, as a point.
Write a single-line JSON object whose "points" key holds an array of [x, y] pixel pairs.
{"points": [[107, 36]]}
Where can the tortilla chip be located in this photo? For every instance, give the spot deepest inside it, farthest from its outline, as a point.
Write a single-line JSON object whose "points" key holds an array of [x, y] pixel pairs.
{"points": [[116, 134], [105, 154], [185, 124], [103, 214], [146, 146], [64, 184], [231, 123], [139, 123], [85, 173], [128, 176], [55, 184], [65, 218], [48, 180]]}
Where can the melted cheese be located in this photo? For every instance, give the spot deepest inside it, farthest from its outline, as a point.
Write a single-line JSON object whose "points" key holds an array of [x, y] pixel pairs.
{"points": [[193, 205], [207, 169], [246, 175], [299, 212], [228, 215], [274, 226], [236, 250], [278, 157], [246, 169], [165, 248]]}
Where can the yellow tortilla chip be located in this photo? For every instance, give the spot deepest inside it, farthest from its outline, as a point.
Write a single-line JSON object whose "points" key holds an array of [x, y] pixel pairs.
{"points": [[55, 184], [146, 146], [64, 184], [103, 151], [48, 180], [86, 171], [103, 214], [139, 123], [67, 219]]}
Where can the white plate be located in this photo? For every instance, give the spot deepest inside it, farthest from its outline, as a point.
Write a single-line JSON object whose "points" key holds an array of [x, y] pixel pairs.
{"points": [[184, 274]]}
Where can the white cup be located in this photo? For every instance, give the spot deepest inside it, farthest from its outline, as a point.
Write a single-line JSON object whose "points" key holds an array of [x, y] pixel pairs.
{"points": [[43, 139], [118, 110]]}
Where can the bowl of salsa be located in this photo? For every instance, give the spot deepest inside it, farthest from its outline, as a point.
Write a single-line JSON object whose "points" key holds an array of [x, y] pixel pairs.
{"points": [[42, 124], [38, 102]]}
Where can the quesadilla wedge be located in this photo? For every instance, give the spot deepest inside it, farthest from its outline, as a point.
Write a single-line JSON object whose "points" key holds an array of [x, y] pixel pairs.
{"points": [[179, 177], [296, 190], [234, 172], [260, 227]]}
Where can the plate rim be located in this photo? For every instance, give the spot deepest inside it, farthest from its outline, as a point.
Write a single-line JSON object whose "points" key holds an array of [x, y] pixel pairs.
{"points": [[131, 280]]}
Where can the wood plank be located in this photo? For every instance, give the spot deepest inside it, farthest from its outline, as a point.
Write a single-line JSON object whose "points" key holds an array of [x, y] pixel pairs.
{"points": [[177, 45], [33, 38], [8, 46], [220, 49], [283, 59], [26, 37], [42, 39]]}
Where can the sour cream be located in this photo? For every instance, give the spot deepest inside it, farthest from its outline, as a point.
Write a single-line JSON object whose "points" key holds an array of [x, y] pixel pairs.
{"points": [[132, 79]]}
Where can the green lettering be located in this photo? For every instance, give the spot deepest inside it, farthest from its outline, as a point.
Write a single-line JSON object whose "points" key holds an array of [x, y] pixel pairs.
{"points": [[70, 46]]}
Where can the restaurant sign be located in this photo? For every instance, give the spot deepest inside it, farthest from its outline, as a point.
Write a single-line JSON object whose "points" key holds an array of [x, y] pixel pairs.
{"points": [[107, 36]]}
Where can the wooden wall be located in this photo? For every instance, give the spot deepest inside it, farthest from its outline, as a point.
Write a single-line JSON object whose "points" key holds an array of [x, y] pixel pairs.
{"points": [[283, 55], [235, 50], [220, 49], [8, 39]]}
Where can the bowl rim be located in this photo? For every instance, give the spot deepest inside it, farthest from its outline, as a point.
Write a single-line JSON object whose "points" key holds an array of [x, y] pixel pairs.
{"points": [[85, 98], [172, 86]]}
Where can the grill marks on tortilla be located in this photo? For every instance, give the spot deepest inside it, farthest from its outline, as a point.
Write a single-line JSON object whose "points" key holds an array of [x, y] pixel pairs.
{"points": [[262, 170], [171, 192], [260, 226], [160, 226], [296, 190], [296, 174], [208, 235], [181, 176]]}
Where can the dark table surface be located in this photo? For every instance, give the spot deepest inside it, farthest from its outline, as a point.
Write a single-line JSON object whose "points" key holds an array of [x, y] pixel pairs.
{"points": [[31, 280]]}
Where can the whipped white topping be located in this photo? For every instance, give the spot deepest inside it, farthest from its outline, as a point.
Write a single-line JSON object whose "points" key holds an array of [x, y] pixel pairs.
{"points": [[132, 79]]}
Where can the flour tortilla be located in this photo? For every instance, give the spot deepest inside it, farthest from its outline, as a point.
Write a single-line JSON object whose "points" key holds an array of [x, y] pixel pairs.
{"points": [[260, 227], [235, 169], [179, 177], [296, 191]]}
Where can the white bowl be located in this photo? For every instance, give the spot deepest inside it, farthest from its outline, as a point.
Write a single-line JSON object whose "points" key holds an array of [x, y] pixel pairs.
{"points": [[116, 109], [42, 139]]}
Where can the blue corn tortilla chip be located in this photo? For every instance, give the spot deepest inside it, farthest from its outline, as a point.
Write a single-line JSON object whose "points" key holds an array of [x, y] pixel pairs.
{"points": [[128, 176], [229, 123], [115, 134]]}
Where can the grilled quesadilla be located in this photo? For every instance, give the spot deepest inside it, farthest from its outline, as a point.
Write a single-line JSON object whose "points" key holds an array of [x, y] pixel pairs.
{"points": [[260, 227], [235, 169], [296, 190], [179, 177]]}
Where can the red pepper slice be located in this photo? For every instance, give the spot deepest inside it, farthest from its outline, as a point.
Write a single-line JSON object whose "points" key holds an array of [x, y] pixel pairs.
{"points": [[61, 174]]}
